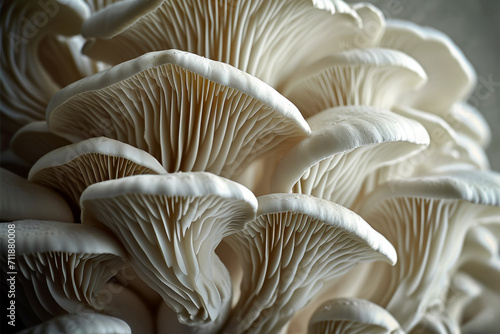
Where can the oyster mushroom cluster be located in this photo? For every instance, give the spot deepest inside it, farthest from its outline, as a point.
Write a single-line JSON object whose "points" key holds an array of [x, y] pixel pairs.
{"points": [[258, 166]]}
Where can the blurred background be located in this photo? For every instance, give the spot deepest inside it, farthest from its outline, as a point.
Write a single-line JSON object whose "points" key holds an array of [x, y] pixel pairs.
{"points": [[474, 25]]}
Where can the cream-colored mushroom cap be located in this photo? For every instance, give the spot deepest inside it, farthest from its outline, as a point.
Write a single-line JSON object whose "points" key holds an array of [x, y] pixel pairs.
{"points": [[426, 219], [71, 169], [82, 323], [34, 140], [352, 315], [346, 145], [296, 243], [374, 77], [21, 199], [189, 112], [63, 266], [171, 225], [450, 75], [264, 38]]}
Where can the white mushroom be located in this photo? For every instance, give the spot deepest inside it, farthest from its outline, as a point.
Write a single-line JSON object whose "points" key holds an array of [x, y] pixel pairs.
{"points": [[436, 323], [83, 323], [34, 140], [467, 120], [38, 56], [263, 38], [451, 77], [71, 169], [20, 199], [189, 112], [426, 219], [296, 243], [374, 77], [171, 225], [62, 266], [346, 145], [351, 315]]}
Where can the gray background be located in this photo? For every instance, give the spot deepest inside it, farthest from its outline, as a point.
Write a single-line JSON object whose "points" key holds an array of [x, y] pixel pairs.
{"points": [[474, 25]]}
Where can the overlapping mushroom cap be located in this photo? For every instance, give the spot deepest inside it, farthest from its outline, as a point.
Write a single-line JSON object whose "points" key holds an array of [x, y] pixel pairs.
{"points": [[171, 225], [296, 243], [189, 112]]}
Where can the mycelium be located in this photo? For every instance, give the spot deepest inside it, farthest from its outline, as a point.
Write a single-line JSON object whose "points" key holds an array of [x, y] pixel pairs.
{"points": [[171, 225], [189, 112]]}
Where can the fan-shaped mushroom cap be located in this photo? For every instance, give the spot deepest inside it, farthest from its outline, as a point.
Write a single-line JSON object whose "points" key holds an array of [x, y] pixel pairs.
{"points": [[264, 38], [62, 266], [38, 59], [20, 199], [450, 76], [171, 225], [296, 244], [426, 219], [351, 315], [346, 145], [82, 323], [467, 120], [189, 112], [448, 151], [374, 77], [71, 169], [34, 140]]}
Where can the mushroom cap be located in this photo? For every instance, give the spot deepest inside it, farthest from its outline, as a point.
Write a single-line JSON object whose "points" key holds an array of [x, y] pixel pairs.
{"points": [[81, 323], [426, 219], [346, 141], [43, 203], [467, 120], [352, 315], [375, 77], [254, 36], [62, 266], [171, 225], [34, 140], [450, 75], [189, 112], [71, 169], [296, 243], [29, 79]]}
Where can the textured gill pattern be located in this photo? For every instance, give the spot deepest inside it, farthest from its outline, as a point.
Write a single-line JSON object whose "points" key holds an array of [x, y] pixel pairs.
{"points": [[187, 122], [172, 241], [287, 256], [345, 327], [25, 87], [340, 178], [427, 235], [96, 5], [72, 178], [59, 282], [348, 85], [254, 36]]}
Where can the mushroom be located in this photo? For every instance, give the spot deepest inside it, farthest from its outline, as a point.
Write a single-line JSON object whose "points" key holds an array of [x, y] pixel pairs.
{"points": [[34, 140], [450, 75], [436, 323], [171, 225], [62, 266], [255, 36], [39, 57], [71, 169], [426, 219], [296, 243], [466, 120], [189, 112], [374, 77], [346, 145], [20, 199], [352, 315], [82, 323]]}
